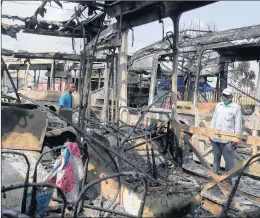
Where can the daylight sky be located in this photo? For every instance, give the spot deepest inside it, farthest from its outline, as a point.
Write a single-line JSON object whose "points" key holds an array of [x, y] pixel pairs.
{"points": [[224, 15]]}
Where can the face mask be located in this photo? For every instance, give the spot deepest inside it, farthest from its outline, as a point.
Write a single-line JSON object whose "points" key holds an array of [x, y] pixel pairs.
{"points": [[227, 101]]}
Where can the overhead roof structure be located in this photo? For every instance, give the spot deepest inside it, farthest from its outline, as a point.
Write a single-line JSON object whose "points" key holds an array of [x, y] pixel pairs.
{"points": [[49, 55], [19, 64], [131, 14], [73, 27], [54, 28], [43, 55], [128, 14], [136, 13], [242, 43]]}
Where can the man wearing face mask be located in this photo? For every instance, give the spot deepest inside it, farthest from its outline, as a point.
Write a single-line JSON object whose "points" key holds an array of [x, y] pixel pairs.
{"points": [[227, 118]]}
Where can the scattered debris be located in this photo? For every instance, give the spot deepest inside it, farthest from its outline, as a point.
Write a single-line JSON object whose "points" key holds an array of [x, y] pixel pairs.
{"points": [[151, 160]]}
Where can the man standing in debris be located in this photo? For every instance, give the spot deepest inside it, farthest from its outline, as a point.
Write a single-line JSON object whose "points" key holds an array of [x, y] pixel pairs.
{"points": [[66, 99], [227, 118]]}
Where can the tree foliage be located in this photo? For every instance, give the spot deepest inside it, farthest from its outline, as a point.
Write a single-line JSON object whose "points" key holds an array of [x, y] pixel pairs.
{"points": [[243, 76]]}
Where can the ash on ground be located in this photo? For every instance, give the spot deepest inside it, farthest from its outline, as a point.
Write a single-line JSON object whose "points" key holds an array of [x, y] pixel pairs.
{"points": [[199, 212], [102, 202]]}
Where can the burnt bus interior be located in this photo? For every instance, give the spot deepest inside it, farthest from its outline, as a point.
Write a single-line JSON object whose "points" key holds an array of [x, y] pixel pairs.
{"points": [[138, 91], [204, 70], [153, 159]]}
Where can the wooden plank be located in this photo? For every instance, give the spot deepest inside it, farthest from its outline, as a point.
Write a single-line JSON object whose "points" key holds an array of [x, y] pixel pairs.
{"points": [[207, 152], [205, 124], [234, 171], [184, 104], [240, 192], [186, 111], [250, 140], [206, 107], [214, 208], [210, 170], [245, 139], [254, 168]]}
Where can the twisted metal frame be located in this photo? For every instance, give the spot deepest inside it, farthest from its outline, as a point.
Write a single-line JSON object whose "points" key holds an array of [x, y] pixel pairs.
{"points": [[23, 206], [134, 174], [17, 186], [64, 200]]}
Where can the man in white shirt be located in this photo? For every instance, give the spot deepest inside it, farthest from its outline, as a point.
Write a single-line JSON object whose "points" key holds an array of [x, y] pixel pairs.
{"points": [[227, 118]]}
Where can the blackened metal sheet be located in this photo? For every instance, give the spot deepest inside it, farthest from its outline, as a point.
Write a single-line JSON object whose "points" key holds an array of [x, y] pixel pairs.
{"points": [[20, 121]]}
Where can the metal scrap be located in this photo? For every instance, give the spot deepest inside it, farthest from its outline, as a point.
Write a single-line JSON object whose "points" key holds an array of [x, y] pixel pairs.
{"points": [[11, 30], [53, 28], [100, 38], [209, 40], [45, 55]]}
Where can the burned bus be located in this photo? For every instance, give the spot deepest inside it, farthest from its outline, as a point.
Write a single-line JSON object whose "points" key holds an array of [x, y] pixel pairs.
{"points": [[203, 61]]}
